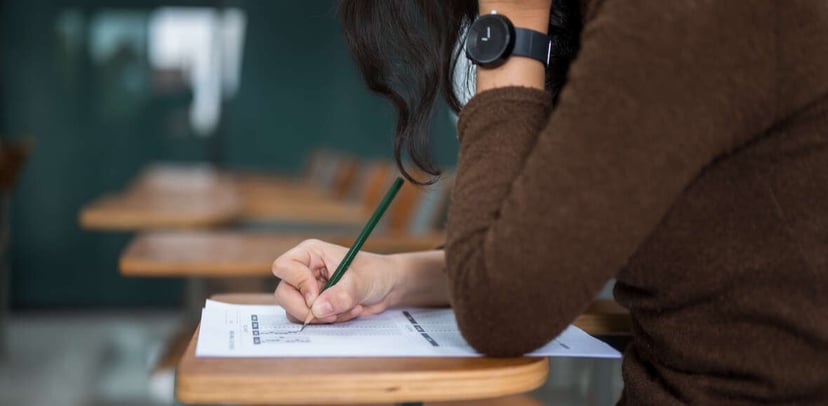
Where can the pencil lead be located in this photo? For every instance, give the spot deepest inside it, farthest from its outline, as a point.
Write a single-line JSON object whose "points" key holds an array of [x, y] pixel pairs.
{"points": [[308, 319]]}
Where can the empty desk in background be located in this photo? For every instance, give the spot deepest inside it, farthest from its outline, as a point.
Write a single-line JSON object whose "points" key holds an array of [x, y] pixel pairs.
{"points": [[176, 197], [166, 197]]}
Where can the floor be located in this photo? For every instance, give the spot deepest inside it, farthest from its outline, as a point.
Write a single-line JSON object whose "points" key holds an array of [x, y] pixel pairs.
{"points": [[107, 359], [84, 359]]}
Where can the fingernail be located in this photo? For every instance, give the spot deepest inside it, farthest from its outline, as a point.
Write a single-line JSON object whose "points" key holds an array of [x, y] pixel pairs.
{"points": [[322, 309], [308, 298]]}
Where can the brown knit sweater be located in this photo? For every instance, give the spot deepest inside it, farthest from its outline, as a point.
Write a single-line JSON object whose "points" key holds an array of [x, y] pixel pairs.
{"points": [[688, 158]]}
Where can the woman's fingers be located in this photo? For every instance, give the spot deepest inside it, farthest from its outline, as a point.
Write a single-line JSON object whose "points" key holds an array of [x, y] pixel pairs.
{"points": [[350, 315], [300, 272], [298, 288], [305, 269], [373, 309], [292, 301], [293, 319], [338, 299]]}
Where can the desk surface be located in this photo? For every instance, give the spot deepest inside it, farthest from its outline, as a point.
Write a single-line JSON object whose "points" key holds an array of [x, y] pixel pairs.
{"points": [[135, 211], [271, 198], [167, 197], [349, 380], [200, 197], [236, 253], [296, 210]]}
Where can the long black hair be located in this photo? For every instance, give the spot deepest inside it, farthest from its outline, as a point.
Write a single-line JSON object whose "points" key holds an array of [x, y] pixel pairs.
{"points": [[407, 51]]}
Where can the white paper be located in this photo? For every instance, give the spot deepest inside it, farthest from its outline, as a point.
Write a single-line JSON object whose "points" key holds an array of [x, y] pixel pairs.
{"points": [[230, 330]]}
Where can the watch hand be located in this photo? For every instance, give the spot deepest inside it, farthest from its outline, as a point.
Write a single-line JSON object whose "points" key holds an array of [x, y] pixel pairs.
{"points": [[488, 34]]}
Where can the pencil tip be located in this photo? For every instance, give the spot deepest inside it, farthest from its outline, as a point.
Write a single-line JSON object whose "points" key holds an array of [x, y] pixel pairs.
{"points": [[308, 319]]}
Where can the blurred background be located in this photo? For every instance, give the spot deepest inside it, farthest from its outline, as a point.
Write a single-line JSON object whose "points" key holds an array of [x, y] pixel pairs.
{"points": [[132, 124], [102, 88]]}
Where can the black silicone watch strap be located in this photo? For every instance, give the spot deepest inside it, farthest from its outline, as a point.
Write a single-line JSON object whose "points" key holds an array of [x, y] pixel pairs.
{"points": [[532, 44]]}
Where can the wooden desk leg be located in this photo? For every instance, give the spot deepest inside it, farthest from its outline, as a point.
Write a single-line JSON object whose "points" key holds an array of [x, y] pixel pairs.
{"points": [[162, 376]]}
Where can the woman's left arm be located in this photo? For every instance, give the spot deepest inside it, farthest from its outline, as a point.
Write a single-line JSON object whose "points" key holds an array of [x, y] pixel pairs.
{"points": [[525, 72], [546, 208]]}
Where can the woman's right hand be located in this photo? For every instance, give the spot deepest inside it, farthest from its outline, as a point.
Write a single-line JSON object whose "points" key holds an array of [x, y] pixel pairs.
{"points": [[368, 287]]}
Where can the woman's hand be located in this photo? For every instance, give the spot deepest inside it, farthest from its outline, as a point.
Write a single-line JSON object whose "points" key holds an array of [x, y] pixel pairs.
{"points": [[368, 287]]}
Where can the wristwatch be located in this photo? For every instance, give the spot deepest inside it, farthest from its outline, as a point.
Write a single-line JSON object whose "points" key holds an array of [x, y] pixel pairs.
{"points": [[492, 39]]}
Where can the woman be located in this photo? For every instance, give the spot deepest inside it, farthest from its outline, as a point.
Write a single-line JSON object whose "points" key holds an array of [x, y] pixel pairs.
{"points": [[686, 156]]}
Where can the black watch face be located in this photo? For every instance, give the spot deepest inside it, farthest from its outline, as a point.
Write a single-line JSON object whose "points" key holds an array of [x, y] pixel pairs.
{"points": [[489, 39]]}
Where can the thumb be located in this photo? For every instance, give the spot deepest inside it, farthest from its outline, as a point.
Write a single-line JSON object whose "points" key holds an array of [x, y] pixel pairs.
{"points": [[336, 300]]}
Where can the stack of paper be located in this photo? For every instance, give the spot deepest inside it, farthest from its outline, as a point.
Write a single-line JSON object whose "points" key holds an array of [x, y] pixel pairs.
{"points": [[230, 330]]}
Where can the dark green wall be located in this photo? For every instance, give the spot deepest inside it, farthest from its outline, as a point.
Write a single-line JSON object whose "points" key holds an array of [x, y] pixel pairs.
{"points": [[302, 90], [298, 91]]}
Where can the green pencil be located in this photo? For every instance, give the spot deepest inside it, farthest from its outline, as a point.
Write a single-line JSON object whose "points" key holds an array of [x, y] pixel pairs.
{"points": [[360, 240]]}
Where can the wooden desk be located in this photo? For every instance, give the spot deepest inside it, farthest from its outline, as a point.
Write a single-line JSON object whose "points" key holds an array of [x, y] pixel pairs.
{"points": [[164, 197], [235, 253], [259, 187], [349, 380], [293, 210], [136, 212], [271, 198]]}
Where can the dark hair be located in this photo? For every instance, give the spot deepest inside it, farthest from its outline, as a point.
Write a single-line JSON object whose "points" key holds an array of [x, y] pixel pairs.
{"points": [[407, 51]]}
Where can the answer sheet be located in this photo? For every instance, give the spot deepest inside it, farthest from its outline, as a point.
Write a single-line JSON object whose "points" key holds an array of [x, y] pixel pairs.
{"points": [[231, 330]]}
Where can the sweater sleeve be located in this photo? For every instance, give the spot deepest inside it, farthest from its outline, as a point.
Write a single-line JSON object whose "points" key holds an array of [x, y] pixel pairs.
{"points": [[547, 206]]}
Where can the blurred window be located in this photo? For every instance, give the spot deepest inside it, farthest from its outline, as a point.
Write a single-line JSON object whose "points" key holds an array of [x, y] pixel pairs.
{"points": [[205, 46], [117, 47]]}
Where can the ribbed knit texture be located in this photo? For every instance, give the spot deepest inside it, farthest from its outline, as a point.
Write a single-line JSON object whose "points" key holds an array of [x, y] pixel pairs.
{"points": [[688, 158]]}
